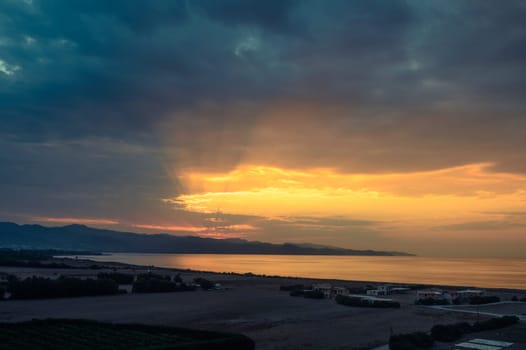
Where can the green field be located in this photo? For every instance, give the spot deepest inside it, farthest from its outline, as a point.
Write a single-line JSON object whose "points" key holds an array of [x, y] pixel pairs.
{"points": [[61, 334]]}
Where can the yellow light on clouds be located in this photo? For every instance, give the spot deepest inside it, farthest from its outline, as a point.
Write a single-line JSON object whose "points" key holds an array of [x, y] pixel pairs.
{"points": [[450, 195]]}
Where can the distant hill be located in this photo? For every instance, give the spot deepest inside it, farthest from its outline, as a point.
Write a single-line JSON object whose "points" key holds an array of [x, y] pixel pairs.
{"points": [[80, 237]]}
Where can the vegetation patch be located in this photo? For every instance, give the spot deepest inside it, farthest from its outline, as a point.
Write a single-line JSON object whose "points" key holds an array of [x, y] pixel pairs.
{"points": [[204, 283], [432, 301], [297, 293], [494, 323], [450, 332], [364, 302], [61, 334], [155, 283], [479, 300], [41, 288], [313, 294], [120, 278], [447, 333], [411, 341]]}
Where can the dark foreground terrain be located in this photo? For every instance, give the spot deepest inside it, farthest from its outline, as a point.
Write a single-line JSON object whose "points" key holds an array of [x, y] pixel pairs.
{"points": [[63, 334], [253, 306]]}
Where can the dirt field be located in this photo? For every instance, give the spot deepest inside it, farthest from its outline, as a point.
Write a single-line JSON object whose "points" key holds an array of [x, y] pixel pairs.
{"points": [[253, 306]]}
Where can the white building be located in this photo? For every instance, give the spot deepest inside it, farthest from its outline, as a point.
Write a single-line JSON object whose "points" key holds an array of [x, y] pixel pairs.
{"points": [[468, 293], [380, 290], [428, 294]]}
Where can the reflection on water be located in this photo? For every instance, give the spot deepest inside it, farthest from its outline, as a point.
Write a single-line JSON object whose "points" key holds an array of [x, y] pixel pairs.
{"points": [[497, 273]]}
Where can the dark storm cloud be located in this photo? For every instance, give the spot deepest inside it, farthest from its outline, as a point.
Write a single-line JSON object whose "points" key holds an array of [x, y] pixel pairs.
{"points": [[121, 64], [118, 67], [272, 15]]}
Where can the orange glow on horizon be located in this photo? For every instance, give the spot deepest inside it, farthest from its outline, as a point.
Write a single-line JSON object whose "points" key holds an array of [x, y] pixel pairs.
{"points": [[418, 199], [171, 228], [86, 221]]}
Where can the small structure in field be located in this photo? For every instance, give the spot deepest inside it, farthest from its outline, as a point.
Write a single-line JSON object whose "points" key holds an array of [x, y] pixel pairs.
{"points": [[429, 294], [380, 290], [325, 288]]}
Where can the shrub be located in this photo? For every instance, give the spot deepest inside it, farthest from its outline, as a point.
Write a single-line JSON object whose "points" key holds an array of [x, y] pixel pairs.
{"points": [[479, 300], [432, 301], [296, 293], [495, 323], [178, 279], [204, 283], [153, 276], [153, 286], [313, 294], [155, 283], [411, 341], [38, 287], [363, 302], [447, 333], [120, 278]]}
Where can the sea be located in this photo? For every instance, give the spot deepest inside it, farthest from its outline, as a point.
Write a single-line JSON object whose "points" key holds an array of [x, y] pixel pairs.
{"points": [[473, 272]]}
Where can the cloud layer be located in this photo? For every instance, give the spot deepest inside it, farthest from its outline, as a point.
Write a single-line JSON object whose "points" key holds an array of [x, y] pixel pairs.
{"points": [[108, 106]]}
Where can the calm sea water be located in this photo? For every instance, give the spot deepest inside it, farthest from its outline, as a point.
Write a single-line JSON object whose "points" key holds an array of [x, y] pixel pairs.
{"points": [[491, 273]]}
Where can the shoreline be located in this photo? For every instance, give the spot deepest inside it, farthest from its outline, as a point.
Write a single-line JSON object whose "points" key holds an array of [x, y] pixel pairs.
{"points": [[336, 280]]}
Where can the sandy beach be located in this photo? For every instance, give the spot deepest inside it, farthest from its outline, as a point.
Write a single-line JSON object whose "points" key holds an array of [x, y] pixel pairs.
{"points": [[252, 305]]}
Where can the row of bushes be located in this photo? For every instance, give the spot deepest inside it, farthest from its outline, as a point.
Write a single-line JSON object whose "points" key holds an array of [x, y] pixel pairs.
{"points": [[364, 302], [475, 300], [126, 278], [66, 334], [154, 283], [432, 301], [120, 278], [411, 341], [38, 287], [159, 286], [446, 333], [105, 284], [452, 332], [307, 293], [479, 300]]}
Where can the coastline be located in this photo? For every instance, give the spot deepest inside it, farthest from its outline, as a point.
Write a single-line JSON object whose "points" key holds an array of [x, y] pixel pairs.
{"points": [[451, 273]]}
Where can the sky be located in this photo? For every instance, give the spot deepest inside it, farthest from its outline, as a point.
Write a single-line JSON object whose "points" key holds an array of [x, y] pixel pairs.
{"points": [[388, 125]]}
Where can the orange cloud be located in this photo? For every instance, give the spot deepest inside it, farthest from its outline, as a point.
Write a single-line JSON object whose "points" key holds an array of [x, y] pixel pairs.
{"points": [[418, 199], [219, 231], [239, 227], [85, 221], [171, 228]]}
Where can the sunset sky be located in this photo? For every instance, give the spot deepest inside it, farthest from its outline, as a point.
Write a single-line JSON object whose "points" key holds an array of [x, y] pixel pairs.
{"points": [[388, 125]]}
